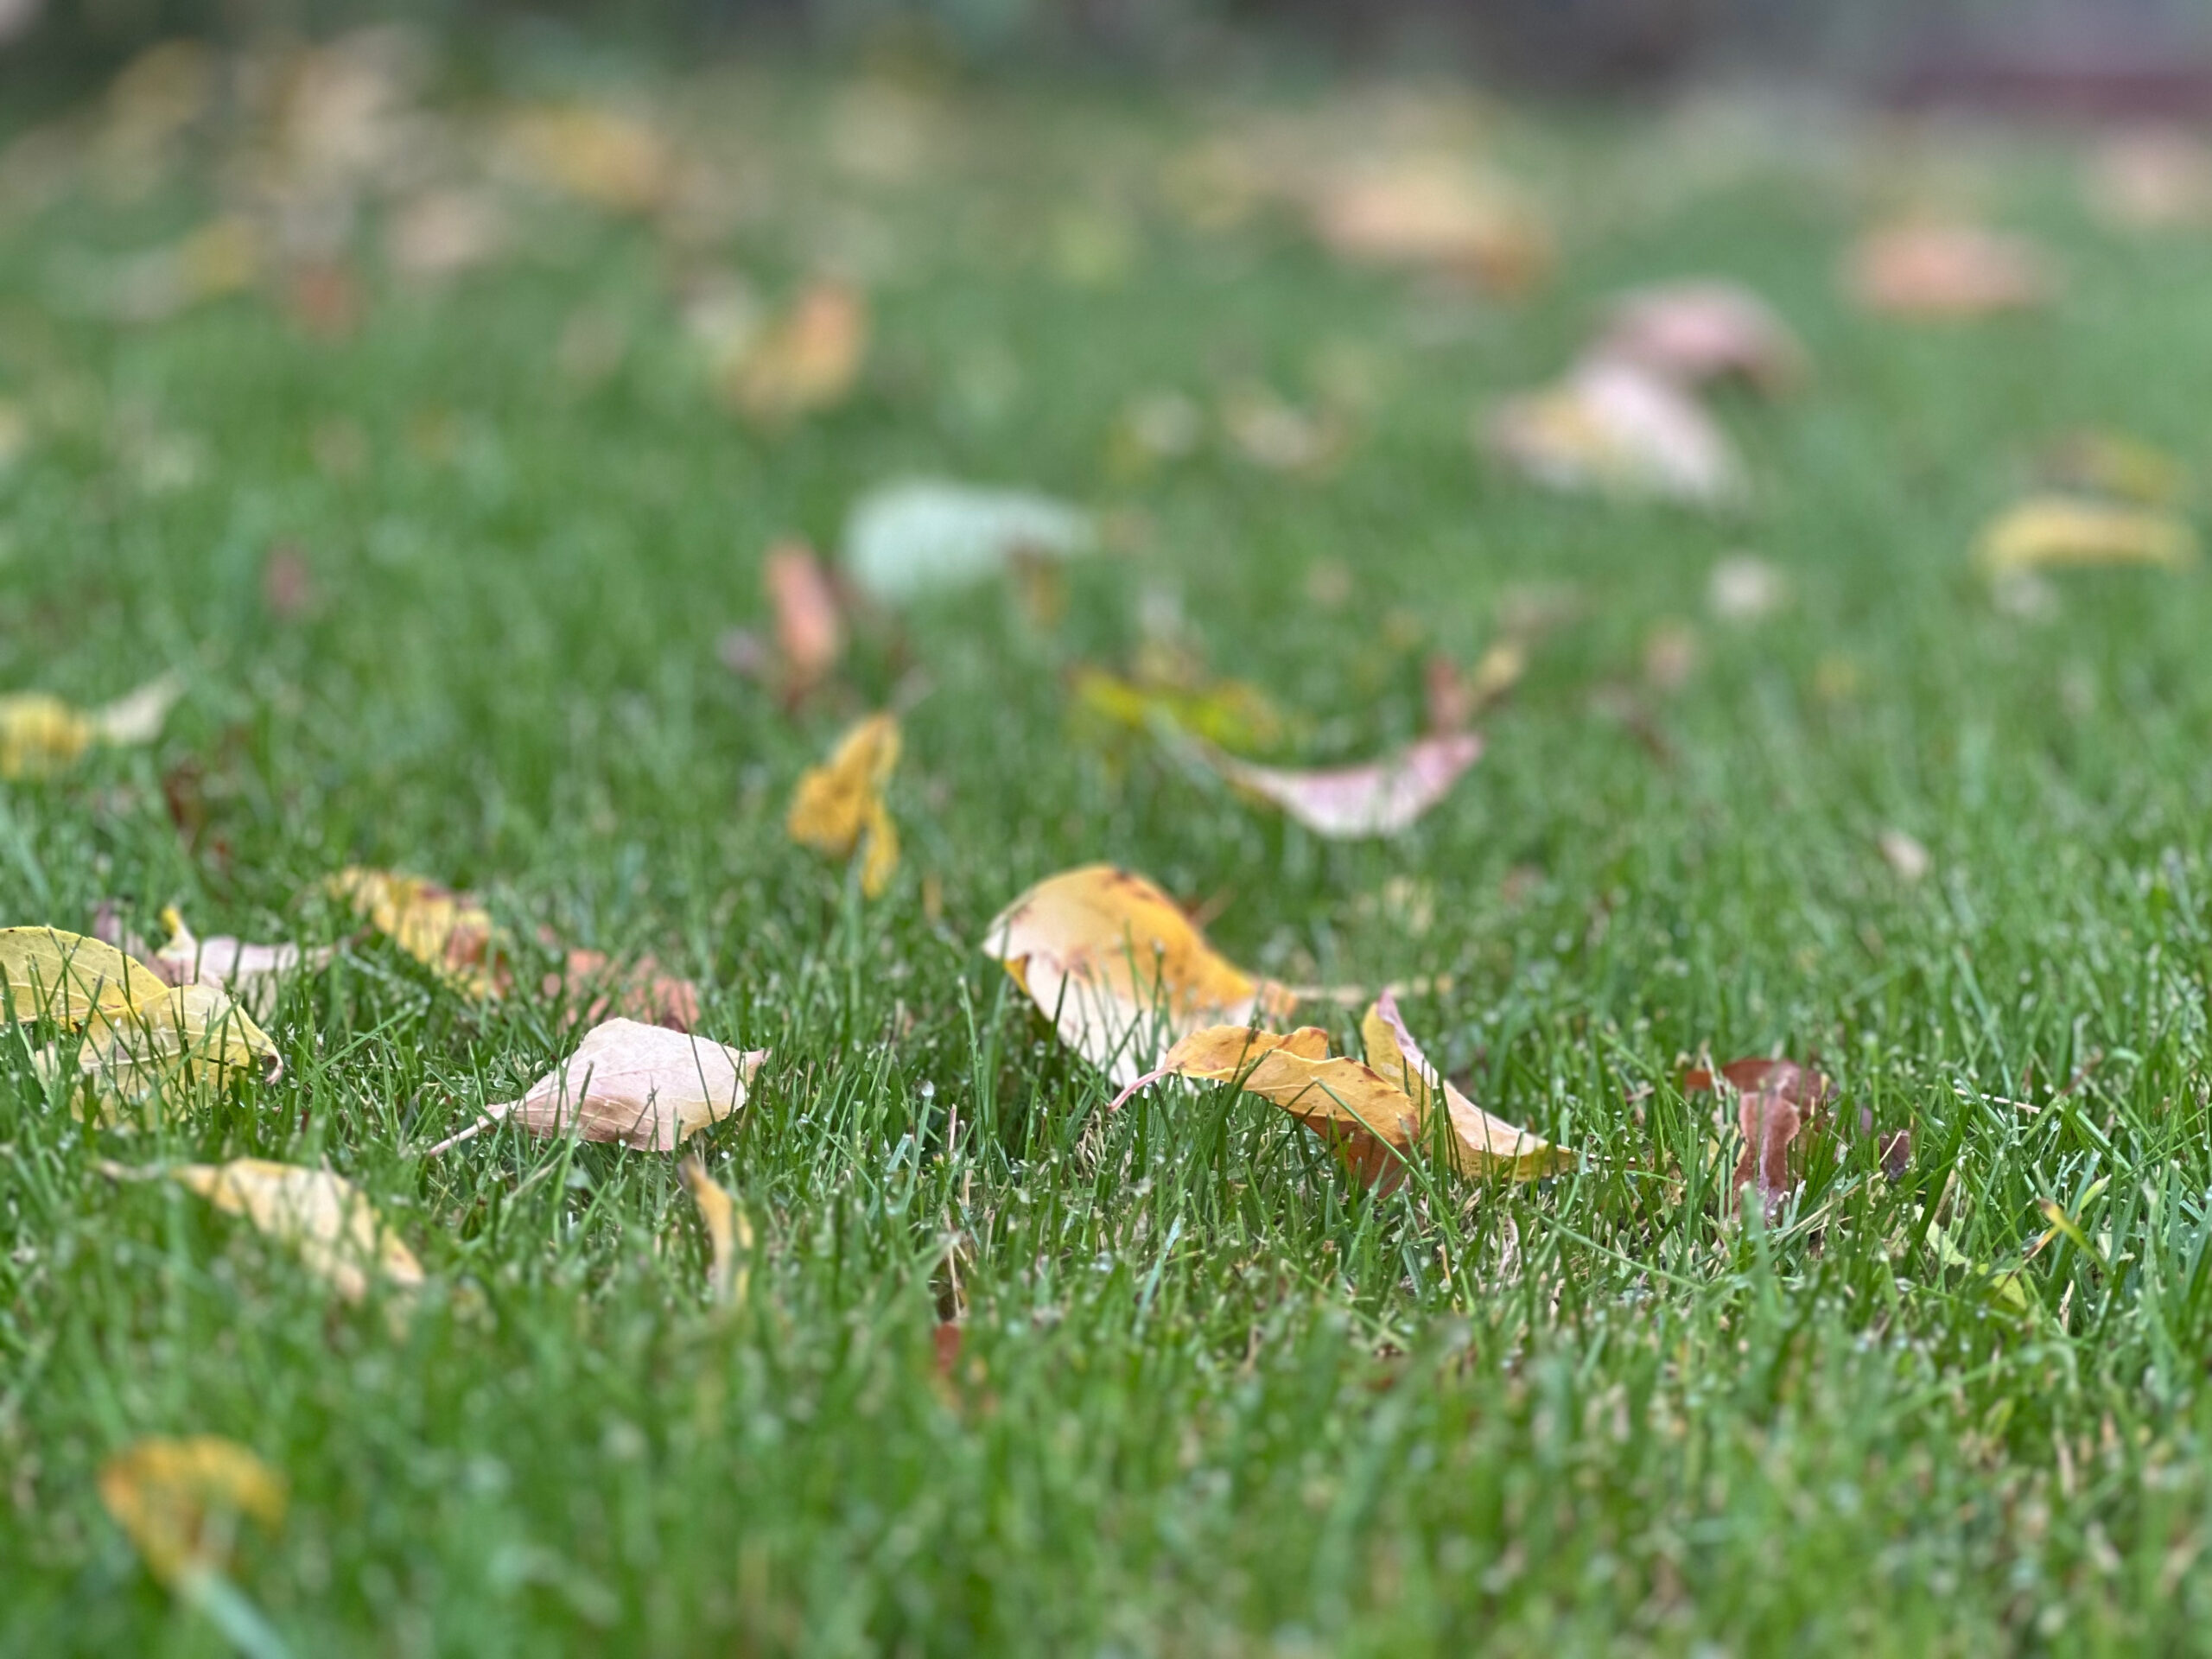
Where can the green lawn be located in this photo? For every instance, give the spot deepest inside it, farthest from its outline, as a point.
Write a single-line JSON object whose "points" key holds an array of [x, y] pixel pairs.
{"points": [[1210, 1398]]}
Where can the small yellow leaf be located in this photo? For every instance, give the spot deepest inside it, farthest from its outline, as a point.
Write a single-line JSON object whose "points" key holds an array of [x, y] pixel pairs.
{"points": [[1432, 211], [1120, 969], [40, 733], [727, 1231], [68, 978], [841, 801], [1479, 1144], [598, 156], [325, 1218], [178, 1500], [2055, 531], [450, 932]]}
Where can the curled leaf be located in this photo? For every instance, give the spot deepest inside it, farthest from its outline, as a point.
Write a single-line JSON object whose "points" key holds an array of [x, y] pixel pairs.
{"points": [[249, 973], [641, 1086], [40, 733], [188, 1033], [1695, 331], [325, 1219], [2058, 531], [1774, 1100], [450, 932], [1119, 969], [1618, 429], [728, 1232], [841, 802], [1380, 798], [1479, 1144], [178, 1500], [1934, 271], [905, 539], [802, 362]]}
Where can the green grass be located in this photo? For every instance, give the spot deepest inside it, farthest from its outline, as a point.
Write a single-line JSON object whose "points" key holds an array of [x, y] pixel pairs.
{"points": [[1210, 1398]]}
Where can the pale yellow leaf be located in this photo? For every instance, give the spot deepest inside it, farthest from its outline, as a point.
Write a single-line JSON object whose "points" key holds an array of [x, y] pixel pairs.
{"points": [[728, 1232], [327, 1220], [2056, 531], [450, 932], [1615, 428], [68, 978], [178, 1500]]}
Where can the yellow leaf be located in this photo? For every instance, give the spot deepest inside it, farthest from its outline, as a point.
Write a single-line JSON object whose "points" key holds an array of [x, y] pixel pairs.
{"points": [[153, 1049], [727, 1231], [1119, 969], [643, 1086], [804, 361], [69, 979], [1432, 211], [178, 1500], [450, 932], [842, 800], [325, 1218], [2049, 531], [40, 733], [1228, 712], [1479, 1144]]}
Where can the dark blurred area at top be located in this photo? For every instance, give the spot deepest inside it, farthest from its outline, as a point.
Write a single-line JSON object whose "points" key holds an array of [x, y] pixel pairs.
{"points": [[2078, 58]]}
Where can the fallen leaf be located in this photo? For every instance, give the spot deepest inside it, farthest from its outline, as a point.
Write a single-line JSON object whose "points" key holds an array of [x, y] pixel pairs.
{"points": [[70, 979], [1231, 713], [2113, 465], [728, 1232], [450, 932], [40, 733], [1119, 969], [1374, 1116], [1934, 271], [2047, 532], [802, 362], [595, 985], [2155, 179], [642, 1086], [905, 539], [287, 582], [1433, 212], [1695, 331], [810, 632], [1279, 436], [841, 802], [178, 1500], [250, 972], [325, 1219], [1906, 855], [1342, 802], [1744, 589], [187, 1032], [1616, 427], [598, 156], [1774, 1100]]}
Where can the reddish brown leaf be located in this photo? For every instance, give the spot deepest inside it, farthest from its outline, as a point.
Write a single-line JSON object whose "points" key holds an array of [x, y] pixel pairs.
{"points": [[1776, 1099]]}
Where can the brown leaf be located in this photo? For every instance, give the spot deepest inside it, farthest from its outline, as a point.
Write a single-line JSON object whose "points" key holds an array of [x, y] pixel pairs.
{"points": [[595, 985], [1774, 1100], [642, 1086], [841, 801], [1695, 331], [1615, 428], [1941, 272], [1343, 803], [178, 1500], [1119, 969]]}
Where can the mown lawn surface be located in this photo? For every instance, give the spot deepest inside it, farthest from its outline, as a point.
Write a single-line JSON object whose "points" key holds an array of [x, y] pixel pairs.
{"points": [[1208, 1396]]}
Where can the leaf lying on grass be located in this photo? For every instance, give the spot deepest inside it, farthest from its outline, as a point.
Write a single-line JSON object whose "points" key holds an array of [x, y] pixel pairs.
{"points": [[642, 1086], [1942, 272], [1374, 1117], [325, 1219], [1776, 1099], [1231, 713], [596, 985], [40, 733], [803, 361], [841, 802], [1342, 802], [905, 539], [2114, 465], [67, 978], [1694, 332], [179, 1501], [810, 632], [450, 932], [1616, 427], [728, 1233], [611, 160], [2048, 532], [1119, 969], [1433, 212], [249, 973]]}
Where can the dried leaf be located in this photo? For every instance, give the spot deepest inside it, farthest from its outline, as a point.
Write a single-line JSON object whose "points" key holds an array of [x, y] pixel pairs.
{"points": [[40, 733], [152, 1049], [70, 979], [1695, 331], [450, 932], [596, 986], [1380, 798], [841, 801], [810, 632], [326, 1219], [642, 1086], [1433, 212], [803, 362], [2058, 531], [2156, 178], [1615, 428], [1933, 271], [905, 539], [1119, 969], [178, 1500], [727, 1231], [1776, 1099], [250, 972], [1479, 1144]]}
